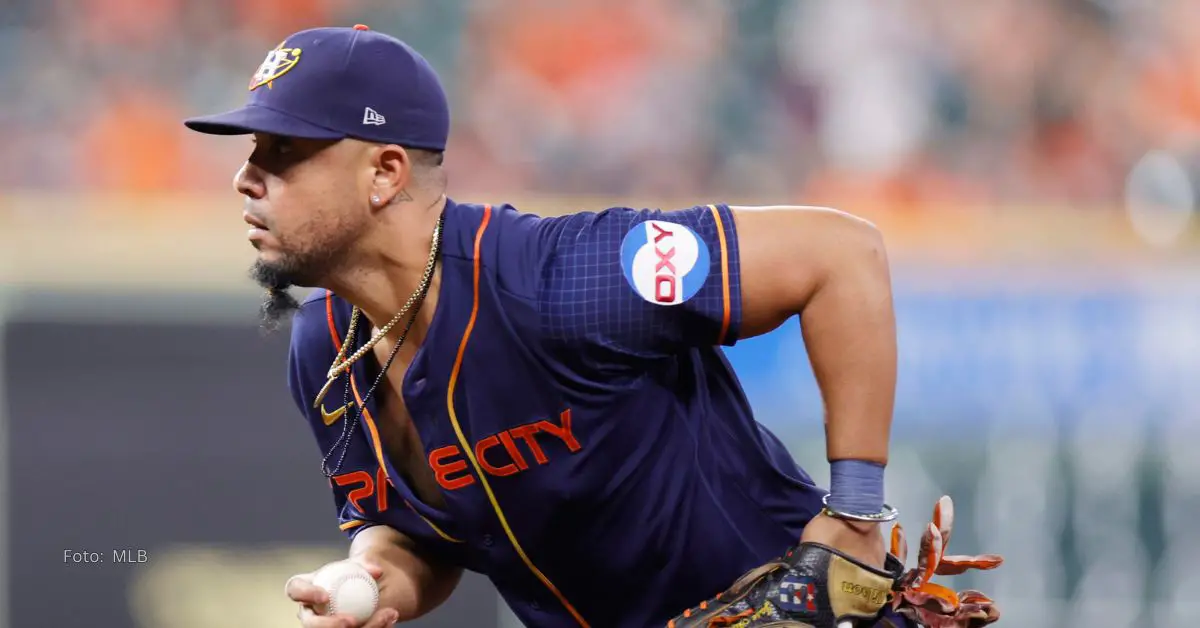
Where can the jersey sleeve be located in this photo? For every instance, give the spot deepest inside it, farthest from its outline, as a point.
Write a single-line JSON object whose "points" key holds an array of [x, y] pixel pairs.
{"points": [[351, 517], [307, 362], [641, 283]]}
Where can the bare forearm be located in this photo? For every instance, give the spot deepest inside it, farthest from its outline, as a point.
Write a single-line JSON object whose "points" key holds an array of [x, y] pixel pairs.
{"points": [[849, 330], [412, 584], [830, 268]]}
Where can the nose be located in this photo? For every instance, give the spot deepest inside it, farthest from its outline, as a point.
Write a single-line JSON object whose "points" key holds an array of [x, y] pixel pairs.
{"points": [[249, 182]]}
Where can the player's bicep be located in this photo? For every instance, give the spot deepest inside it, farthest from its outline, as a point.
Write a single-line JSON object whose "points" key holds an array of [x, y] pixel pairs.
{"points": [[641, 282], [788, 252]]}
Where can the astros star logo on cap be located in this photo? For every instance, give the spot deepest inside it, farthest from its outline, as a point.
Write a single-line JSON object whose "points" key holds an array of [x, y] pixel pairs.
{"points": [[277, 63]]}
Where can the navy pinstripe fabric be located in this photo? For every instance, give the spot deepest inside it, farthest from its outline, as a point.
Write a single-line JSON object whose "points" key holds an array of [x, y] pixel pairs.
{"points": [[585, 297]]}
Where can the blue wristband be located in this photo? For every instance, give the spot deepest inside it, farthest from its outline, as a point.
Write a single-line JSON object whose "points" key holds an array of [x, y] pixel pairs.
{"points": [[856, 487]]}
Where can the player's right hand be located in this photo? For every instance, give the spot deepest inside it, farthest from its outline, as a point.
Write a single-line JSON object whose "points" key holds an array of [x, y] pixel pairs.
{"points": [[300, 589]]}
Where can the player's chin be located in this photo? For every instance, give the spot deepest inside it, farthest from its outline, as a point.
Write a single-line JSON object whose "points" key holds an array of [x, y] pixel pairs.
{"points": [[271, 250], [270, 255]]}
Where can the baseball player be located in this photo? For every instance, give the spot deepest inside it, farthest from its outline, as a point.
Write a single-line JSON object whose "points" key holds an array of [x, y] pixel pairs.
{"points": [[545, 400]]}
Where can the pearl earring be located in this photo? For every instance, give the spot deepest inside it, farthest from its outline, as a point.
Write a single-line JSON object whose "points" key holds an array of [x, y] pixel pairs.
{"points": [[375, 199]]}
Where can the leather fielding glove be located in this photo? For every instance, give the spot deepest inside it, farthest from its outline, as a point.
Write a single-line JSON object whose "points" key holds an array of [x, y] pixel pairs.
{"points": [[932, 605], [815, 586]]}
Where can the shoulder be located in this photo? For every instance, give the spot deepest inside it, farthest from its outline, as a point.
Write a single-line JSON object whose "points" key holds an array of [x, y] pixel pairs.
{"points": [[502, 236], [502, 243], [490, 228], [627, 242], [628, 226]]}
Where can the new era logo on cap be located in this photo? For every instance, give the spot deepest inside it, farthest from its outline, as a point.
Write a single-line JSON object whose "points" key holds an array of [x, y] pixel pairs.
{"points": [[370, 116]]}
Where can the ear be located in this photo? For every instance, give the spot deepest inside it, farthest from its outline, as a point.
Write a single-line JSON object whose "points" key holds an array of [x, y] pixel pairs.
{"points": [[392, 175]]}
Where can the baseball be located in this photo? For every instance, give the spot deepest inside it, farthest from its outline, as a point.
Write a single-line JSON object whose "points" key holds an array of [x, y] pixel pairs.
{"points": [[352, 590]]}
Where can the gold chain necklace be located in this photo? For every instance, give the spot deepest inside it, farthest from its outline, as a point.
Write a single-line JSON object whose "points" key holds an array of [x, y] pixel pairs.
{"points": [[342, 363]]}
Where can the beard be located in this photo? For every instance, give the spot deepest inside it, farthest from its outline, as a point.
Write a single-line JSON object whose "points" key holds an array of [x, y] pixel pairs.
{"points": [[307, 268], [278, 303]]}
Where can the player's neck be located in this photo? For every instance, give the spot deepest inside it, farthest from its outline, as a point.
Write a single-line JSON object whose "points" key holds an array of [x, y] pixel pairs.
{"points": [[391, 267], [382, 296]]}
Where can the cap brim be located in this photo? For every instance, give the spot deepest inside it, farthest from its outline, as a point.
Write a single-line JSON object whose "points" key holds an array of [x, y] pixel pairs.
{"points": [[258, 119]]}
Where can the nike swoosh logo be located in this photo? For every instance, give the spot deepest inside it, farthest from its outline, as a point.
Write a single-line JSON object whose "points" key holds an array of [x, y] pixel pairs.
{"points": [[332, 417]]}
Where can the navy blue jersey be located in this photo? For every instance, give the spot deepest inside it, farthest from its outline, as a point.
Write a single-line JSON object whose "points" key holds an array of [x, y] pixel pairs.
{"points": [[598, 458]]}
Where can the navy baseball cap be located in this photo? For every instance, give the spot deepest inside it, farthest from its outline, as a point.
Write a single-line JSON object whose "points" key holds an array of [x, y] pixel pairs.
{"points": [[334, 83]]}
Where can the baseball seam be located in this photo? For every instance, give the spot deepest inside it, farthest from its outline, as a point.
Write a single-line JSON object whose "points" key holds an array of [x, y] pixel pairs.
{"points": [[337, 584]]}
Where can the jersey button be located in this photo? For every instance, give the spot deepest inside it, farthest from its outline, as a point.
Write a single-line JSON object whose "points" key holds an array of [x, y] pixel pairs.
{"points": [[535, 606], [487, 540]]}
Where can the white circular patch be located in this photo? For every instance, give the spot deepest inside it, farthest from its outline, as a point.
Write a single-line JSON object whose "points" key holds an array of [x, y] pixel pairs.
{"points": [[665, 263]]}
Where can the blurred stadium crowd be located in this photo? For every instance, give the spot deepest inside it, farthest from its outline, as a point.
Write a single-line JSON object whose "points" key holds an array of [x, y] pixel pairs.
{"points": [[850, 102]]}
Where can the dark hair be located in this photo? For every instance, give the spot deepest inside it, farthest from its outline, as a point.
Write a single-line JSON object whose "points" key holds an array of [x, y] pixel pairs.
{"points": [[428, 168], [427, 158]]}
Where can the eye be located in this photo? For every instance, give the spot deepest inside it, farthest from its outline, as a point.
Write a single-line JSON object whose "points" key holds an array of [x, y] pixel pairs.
{"points": [[275, 145]]}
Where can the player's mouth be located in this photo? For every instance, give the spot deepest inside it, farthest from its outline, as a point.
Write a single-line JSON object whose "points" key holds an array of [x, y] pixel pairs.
{"points": [[258, 233], [254, 221]]}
